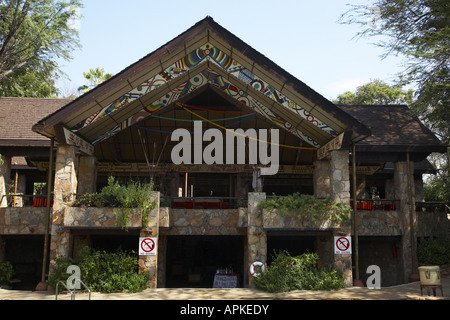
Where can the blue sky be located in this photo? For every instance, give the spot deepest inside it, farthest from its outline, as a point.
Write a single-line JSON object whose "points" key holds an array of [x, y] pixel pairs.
{"points": [[303, 37]]}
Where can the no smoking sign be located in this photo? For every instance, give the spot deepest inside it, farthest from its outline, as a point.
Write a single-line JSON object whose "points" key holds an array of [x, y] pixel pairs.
{"points": [[342, 245], [147, 246]]}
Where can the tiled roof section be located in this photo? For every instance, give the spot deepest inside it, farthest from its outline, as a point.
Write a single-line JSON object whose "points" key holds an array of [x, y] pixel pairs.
{"points": [[393, 126], [17, 116]]}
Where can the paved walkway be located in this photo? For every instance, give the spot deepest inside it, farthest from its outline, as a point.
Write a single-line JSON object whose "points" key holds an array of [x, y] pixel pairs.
{"points": [[410, 291]]}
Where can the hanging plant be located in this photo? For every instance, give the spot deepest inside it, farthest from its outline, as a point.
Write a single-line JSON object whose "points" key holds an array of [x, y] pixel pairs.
{"points": [[306, 207]]}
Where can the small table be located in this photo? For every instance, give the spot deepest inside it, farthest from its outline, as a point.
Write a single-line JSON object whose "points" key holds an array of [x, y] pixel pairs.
{"points": [[225, 281]]}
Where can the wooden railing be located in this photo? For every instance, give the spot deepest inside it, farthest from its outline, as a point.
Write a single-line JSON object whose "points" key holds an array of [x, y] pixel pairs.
{"points": [[203, 202]]}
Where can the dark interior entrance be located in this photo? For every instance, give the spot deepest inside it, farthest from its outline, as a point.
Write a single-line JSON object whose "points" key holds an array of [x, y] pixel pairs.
{"points": [[192, 261], [25, 254], [295, 245]]}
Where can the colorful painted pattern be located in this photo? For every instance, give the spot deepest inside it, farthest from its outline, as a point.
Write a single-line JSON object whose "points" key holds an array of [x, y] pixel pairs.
{"points": [[204, 53], [222, 84]]}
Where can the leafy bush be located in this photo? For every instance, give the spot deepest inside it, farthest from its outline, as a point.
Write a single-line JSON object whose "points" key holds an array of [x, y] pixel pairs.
{"points": [[60, 271], [103, 272], [6, 272], [125, 197], [306, 207], [287, 273], [434, 251], [111, 272]]}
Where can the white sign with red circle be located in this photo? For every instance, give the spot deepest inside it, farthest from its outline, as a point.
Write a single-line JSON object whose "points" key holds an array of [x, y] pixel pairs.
{"points": [[342, 245], [147, 246]]}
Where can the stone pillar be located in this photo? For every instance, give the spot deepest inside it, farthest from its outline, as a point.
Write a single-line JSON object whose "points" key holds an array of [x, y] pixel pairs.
{"points": [[65, 187], [5, 178], [340, 192], [321, 177], [404, 193], [87, 175], [340, 176], [150, 263], [256, 235]]}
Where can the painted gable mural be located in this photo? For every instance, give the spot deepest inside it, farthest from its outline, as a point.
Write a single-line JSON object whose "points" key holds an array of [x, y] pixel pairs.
{"points": [[187, 63]]}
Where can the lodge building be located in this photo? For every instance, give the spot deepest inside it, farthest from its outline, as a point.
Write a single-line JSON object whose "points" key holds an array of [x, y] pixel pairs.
{"points": [[206, 216]]}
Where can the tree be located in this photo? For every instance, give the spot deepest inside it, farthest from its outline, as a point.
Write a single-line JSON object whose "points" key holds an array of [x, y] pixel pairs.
{"points": [[377, 92], [94, 77], [420, 31], [33, 34]]}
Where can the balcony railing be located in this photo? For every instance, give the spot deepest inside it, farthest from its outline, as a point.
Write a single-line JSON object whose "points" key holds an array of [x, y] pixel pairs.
{"points": [[376, 204], [27, 200], [203, 202]]}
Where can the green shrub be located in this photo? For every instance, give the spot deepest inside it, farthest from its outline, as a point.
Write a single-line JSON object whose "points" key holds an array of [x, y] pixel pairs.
{"points": [[287, 273], [6, 272], [60, 271], [104, 272], [434, 251], [123, 197], [304, 207]]}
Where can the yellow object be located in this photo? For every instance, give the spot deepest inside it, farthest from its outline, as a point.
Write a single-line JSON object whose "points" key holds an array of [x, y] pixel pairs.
{"points": [[430, 275]]}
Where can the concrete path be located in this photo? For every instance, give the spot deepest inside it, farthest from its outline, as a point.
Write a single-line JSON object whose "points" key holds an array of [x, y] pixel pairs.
{"points": [[410, 291]]}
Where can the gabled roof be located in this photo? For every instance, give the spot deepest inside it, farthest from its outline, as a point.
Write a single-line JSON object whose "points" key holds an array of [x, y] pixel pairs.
{"points": [[204, 55], [394, 129], [18, 115]]}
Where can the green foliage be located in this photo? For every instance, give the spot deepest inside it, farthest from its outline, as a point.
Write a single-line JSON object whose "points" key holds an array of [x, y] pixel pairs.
{"points": [[377, 92], [33, 35], [111, 272], [307, 207], [6, 272], [287, 273], [60, 271], [420, 31], [94, 77], [103, 272], [434, 251], [123, 197], [90, 200]]}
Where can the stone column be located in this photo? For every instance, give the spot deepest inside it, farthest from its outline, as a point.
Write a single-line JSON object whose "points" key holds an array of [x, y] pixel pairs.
{"points": [[404, 193], [340, 192], [321, 177], [340, 176], [5, 177], [256, 235], [87, 175], [65, 187], [150, 263]]}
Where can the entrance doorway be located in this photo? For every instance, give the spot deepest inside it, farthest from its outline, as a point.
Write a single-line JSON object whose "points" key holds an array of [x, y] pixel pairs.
{"points": [[25, 252], [295, 245], [192, 261]]}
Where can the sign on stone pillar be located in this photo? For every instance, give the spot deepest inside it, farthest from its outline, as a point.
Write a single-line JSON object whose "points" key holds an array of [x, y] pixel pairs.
{"points": [[340, 192], [256, 235], [148, 260], [65, 187]]}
